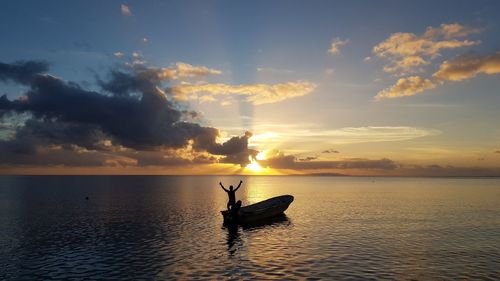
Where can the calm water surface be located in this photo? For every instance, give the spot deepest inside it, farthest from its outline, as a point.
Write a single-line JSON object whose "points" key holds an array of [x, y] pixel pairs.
{"points": [[154, 228]]}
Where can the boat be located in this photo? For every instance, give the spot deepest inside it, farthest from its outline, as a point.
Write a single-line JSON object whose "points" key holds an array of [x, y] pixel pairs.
{"points": [[259, 211]]}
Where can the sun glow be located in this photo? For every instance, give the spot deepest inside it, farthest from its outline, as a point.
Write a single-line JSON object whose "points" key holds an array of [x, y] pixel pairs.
{"points": [[261, 156], [254, 166]]}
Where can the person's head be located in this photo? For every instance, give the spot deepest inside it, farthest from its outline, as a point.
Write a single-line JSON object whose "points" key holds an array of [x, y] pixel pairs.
{"points": [[231, 187]]}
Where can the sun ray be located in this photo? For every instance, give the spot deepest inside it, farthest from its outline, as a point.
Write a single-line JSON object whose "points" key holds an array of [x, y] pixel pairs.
{"points": [[254, 166]]}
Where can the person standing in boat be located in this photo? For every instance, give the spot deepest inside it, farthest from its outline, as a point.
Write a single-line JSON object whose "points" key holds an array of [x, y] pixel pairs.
{"points": [[231, 193]]}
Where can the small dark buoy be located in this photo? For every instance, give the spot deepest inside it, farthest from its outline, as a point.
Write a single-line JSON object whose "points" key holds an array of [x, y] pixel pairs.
{"points": [[87, 198]]}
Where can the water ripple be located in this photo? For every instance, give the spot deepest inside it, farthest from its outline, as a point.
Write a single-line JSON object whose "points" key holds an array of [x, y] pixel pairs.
{"points": [[155, 228]]}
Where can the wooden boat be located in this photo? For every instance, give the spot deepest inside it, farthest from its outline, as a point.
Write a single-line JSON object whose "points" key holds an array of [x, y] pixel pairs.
{"points": [[259, 211]]}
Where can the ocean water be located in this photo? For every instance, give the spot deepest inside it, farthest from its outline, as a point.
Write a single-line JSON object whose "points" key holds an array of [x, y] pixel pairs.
{"points": [[156, 228]]}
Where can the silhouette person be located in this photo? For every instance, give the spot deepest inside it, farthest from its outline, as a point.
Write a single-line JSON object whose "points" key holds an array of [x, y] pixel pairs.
{"points": [[231, 193]]}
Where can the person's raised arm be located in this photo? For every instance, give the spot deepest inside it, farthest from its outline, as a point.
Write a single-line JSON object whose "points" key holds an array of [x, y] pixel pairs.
{"points": [[223, 187], [238, 185]]}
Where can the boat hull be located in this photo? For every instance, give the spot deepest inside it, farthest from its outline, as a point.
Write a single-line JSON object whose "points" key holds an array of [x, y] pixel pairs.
{"points": [[260, 211]]}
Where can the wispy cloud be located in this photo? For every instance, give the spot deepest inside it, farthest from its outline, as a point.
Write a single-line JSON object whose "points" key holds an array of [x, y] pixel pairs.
{"points": [[253, 93], [273, 70], [336, 44], [125, 10], [184, 70], [265, 135]]}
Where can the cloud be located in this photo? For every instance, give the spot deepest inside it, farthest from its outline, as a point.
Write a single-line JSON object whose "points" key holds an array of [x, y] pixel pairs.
{"points": [[183, 70], [336, 44], [65, 114], [281, 161], [125, 10], [330, 151], [22, 71], [360, 166], [458, 69], [497, 151], [305, 136], [408, 52], [466, 67], [453, 30], [308, 158], [253, 93], [407, 86], [139, 78], [405, 64]]}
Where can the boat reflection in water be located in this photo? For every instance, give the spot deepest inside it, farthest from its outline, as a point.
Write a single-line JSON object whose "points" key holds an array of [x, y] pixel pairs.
{"points": [[234, 231]]}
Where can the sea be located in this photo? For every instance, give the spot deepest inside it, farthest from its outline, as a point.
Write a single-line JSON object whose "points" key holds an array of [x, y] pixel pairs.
{"points": [[170, 228]]}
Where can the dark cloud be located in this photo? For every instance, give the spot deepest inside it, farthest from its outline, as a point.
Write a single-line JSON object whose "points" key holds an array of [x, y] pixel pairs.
{"points": [[232, 146], [497, 151], [242, 158], [282, 161], [330, 151], [308, 158], [137, 79], [22, 71], [46, 132], [132, 112]]}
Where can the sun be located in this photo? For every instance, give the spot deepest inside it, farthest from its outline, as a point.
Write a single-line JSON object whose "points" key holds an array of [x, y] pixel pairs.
{"points": [[254, 166], [261, 156]]}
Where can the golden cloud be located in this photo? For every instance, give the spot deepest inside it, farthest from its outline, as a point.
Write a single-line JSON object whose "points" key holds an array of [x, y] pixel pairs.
{"points": [[125, 10], [254, 93], [186, 70], [452, 30], [466, 67], [405, 64], [408, 51], [336, 44], [408, 86], [461, 68]]}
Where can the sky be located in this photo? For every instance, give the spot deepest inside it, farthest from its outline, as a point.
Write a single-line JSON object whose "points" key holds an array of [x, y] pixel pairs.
{"points": [[371, 88]]}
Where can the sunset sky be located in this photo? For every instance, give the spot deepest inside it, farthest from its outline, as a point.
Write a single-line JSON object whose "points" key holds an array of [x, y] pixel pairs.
{"points": [[393, 88]]}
